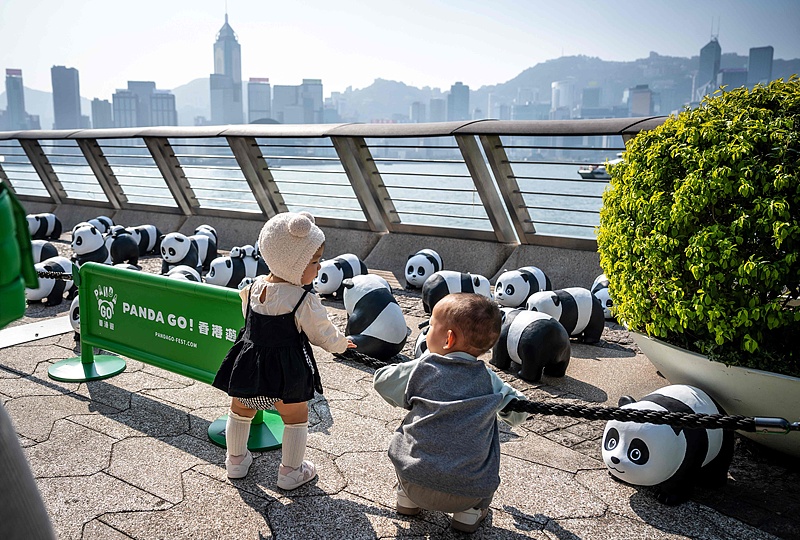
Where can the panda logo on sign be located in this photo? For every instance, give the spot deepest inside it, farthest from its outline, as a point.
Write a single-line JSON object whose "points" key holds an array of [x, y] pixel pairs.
{"points": [[333, 272], [576, 308], [672, 460], [514, 287], [420, 266]]}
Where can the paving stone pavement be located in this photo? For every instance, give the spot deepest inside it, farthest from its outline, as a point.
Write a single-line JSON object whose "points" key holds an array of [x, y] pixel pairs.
{"points": [[129, 457]]}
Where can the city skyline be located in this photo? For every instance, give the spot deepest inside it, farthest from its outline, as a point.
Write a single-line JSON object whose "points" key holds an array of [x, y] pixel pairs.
{"points": [[350, 45]]}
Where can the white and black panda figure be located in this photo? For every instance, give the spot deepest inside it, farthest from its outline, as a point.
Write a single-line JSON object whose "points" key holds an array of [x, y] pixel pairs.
{"points": [[75, 317], [148, 237], [89, 245], [178, 249], [333, 272], [207, 230], [226, 272], [444, 282], [126, 266], [102, 224], [421, 345], [206, 249], [185, 273], [600, 290], [531, 344], [122, 246], [246, 282], [52, 290], [514, 287], [375, 321], [42, 250], [672, 460], [254, 265], [44, 226], [420, 266], [576, 308]]}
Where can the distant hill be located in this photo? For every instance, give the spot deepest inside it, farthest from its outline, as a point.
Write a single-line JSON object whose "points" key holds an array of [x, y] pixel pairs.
{"points": [[191, 100]]}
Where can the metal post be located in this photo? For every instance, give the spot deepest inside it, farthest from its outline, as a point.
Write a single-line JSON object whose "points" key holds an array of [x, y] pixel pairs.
{"points": [[102, 171], [171, 170], [257, 173], [372, 195], [43, 168]]}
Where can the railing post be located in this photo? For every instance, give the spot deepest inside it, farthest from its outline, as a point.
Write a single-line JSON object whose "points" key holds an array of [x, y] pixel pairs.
{"points": [[372, 195], [43, 168], [486, 189], [171, 170], [102, 171], [509, 188], [257, 173]]}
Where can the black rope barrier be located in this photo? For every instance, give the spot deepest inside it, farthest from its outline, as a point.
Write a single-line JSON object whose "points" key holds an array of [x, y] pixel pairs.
{"points": [[54, 275], [641, 416]]}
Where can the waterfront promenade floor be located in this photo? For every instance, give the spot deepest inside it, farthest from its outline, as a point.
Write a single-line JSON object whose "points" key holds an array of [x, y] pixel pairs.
{"points": [[128, 457]]}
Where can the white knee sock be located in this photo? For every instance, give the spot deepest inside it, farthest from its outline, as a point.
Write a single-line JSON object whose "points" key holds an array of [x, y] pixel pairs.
{"points": [[237, 431], [294, 444]]}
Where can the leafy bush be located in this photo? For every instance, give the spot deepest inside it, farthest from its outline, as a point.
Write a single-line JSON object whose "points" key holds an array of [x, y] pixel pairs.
{"points": [[700, 229]]}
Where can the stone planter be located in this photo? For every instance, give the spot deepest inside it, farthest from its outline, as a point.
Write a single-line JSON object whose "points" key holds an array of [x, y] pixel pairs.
{"points": [[740, 391]]}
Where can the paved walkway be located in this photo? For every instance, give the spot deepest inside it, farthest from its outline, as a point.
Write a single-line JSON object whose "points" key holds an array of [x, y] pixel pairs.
{"points": [[128, 457]]}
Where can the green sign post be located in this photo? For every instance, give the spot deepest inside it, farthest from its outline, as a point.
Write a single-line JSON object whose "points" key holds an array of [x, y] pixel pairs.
{"points": [[181, 326]]}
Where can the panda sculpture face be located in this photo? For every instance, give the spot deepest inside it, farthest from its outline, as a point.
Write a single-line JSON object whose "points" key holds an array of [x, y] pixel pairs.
{"points": [[86, 239], [512, 289], [174, 247], [606, 301], [642, 454], [421, 265], [329, 277], [240, 252], [546, 302]]}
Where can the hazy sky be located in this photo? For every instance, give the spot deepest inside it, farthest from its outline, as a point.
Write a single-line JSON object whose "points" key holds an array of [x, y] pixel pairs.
{"points": [[351, 43]]}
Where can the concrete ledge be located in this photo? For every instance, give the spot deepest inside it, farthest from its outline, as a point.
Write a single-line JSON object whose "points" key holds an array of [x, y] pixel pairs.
{"points": [[473, 256], [564, 267]]}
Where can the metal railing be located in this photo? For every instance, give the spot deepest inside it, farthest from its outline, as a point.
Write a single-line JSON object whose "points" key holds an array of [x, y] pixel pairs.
{"points": [[506, 181]]}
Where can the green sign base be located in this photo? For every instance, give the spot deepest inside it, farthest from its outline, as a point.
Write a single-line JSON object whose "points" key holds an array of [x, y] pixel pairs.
{"points": [[264, 435], [75, 370]]}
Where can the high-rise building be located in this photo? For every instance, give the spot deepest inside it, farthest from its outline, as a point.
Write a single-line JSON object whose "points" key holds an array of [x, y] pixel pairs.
{"points": [[125, 104], [640, 99], [66, 97], [302, 104], [732, 78], [162, 109], [144, 91], [437, 110], [759, 65], [310, 97], [259, 99], [15, 118], [416, 112], [706, 79], [102, 116], [226, 81], [562, 96], [458, 102], [284, 97]]}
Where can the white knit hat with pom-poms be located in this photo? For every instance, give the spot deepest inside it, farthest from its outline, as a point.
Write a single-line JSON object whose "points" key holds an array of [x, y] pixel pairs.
{"points": [[287, 242]]}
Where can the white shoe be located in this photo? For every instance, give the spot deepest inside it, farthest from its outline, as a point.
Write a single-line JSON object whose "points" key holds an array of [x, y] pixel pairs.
{"points": [[468, 520], [297, 477], [240, 470]]}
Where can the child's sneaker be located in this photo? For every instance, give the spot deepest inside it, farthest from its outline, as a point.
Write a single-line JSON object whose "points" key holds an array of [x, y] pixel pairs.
{"points": [[295, 478], [468, 520], [405, 506], [240, 470]]}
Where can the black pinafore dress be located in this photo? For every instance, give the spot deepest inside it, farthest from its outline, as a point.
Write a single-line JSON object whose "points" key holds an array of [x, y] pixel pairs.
{"points": [[270, 359]]}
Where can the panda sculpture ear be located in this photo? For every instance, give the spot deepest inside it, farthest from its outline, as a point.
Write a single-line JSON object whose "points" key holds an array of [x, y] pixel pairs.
{"points": [[524, 277], [179, 238], [338, 265], [625, 400], [348, 283]]}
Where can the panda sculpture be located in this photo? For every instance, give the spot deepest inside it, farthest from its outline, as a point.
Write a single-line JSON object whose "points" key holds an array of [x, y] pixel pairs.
{"points": [[185, 273], [600, 290], [375, 321], [148, 237], [126, 266], [207, 230], [52, 290], [254, 264], [206, 249], [102, 223], [178, 249], [421, 345], [420, 265], [531, 344], [333, 272], [441, 283], [672, 460], [75, 317], [122, 246], [514, 287], [89, 245], [44, 226], [246, 282], [576, 308], [230, 271], [42, 250]]}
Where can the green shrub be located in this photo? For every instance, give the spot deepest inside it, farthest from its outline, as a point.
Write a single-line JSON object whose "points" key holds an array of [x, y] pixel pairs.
{"points": [[700, 229]]}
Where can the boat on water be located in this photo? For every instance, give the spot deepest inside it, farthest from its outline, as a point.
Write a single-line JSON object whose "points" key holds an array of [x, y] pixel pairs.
{"points": [[597, 171]]}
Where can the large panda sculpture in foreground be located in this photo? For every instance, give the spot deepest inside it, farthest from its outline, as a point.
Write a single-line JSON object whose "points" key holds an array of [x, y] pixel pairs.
{"points": [[375, 321], [531, 344], [445, 282], [420, 266], [333, 272], [574, 307], [514, 287], [670, 459]]}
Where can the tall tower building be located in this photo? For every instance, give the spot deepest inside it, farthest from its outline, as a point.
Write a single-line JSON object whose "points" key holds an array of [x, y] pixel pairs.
{"points": [[709, 67], [143, 90], [259, 99], [162, 109], [66, 97], [759, 65], [310, 95], [102, 116], [15, 118], [226, 81], [458, 102], [438, 110], [125, 105]]}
